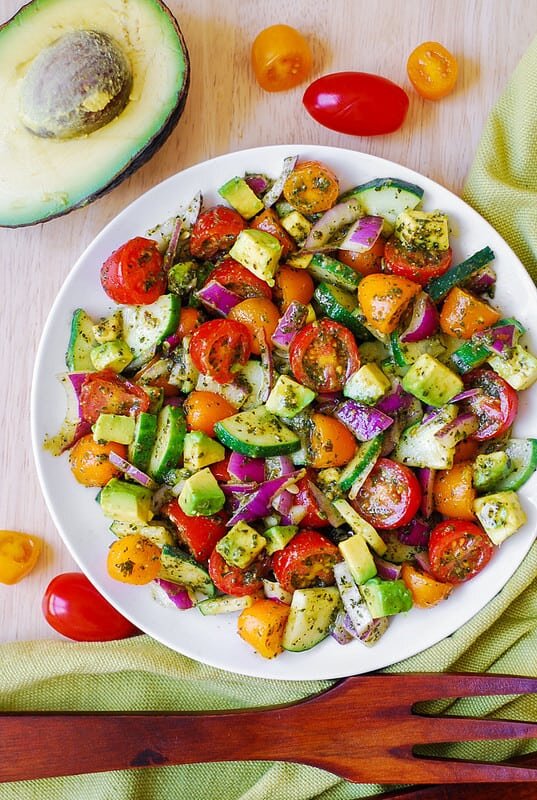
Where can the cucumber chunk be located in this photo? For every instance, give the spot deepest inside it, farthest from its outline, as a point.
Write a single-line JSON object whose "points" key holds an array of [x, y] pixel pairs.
{"points": [[312, 614], [386, 197], [169, 442], [178, 567], [439, 287], [81, 343], [330, 270], [341, 306], [145, 327], [522, 454], [257, 433]]}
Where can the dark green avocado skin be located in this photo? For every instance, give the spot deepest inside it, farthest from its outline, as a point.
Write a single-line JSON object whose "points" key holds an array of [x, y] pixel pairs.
{"points": [[139, 157]]}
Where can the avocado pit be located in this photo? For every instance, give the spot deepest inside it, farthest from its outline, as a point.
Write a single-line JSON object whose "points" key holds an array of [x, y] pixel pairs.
{"points": [[75, 86]]}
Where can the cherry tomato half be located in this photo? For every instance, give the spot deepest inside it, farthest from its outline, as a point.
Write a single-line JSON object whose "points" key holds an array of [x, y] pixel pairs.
{"points": [[134, 273], [323, 354], [240, 280], [365, 263], [235, 581], [432, 70], [497, 406], [214, 231], [416, 264], [281, 58], [458, 550], [199, 534], [73, 607], [313, 517], [311, 187], [390, 496], [357, 103], [105, 392], [308, 560], [218, 345]]}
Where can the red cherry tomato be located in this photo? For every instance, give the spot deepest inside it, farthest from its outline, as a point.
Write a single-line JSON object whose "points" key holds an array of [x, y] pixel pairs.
{"points": [[235, 581], [308, 560], [497, 406], [417, 264], [218, 345], [458, 550], [199, 534], [390, 497], [73, 607], [240, 280], [357, 103], [214, 231], [220, 470], [134, 273], [365, 263], [105, 392], [281, 58], [323, 354], [305, 498]]}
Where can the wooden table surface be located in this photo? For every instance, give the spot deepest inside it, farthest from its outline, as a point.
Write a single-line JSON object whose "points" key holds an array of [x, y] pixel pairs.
{"points": [[225, 111]]}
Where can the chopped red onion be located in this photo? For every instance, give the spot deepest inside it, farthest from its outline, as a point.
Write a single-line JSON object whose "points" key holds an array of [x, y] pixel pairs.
{"points": [[267, 363], [175, 594], [131, 471], [424, 320], [500, 338], [257, 183], [258, 503], [416, 533], [283, 502], [340, 631], [73, 426], [422, 560], [326, 508], [326, 232], [458, 429], [363, 421], [374, 631], [244, 468], [395, 401], [218, 298], [273, 591], [171, 342], [280, 465], [295, 515], [387, 570], [426, 478], [362, 235], [276, 189], [292, 320], [466, 395], [482, 281]]}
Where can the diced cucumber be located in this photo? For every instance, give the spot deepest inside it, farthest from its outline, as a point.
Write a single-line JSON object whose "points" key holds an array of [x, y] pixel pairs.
{"points": [[81, 343], [353, 602], [169, 440], [257, 433], [386, 197], [469, 355], [419, 446], [311, 616], [227, 604], [145, 432], [439, 287], [178, 567], [339, 305], [153, 531], [355, 473], [329, 270], [522, 454], [406, 353], [145, 327]]}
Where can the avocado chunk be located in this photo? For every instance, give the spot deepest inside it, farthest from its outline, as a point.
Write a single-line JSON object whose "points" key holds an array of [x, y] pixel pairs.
{"points": [[114, 428], [90, 91], [386, 598], [288, 398], [243, 199], [423, 229], [200, 451], [431, 381], [115, 355], [358, 558], [259, 252], [126, 502], [367, 385], [241, 545], [277, 536], [490, 468], [500, 514], [201, 496]]}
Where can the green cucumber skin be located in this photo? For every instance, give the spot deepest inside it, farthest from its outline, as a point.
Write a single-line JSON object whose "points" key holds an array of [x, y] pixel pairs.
{"points": [[253, 450], [168, 446], [81, 342], [241, 433], [439, 287], [144, 440], [332, 308], [181, 568], [521, 473], [330, 270], [369, 454]]}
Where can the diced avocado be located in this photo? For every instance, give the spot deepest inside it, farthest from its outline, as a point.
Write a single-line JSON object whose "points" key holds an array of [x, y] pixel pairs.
{"points": [[367, 385], [299, 260], [500, 514], [358, 558], [259, 252], [81, 342], [489, 468], [114, 428], [311, 617], [397, 551], [200, 451], [179, 567], [296, 225], [360, 526], [427, 230], [288, 397], [241, 545], [386, 598], [519, 370], [126, 502], [277, 536], [243, 199], [115, 355], [156, 398], [201, 495], [182, 277], [419, 446], [153, 531], [108, 328], [431, 381]]}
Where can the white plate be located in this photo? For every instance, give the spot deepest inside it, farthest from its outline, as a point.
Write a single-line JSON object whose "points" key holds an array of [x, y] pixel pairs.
{"points": [[214, 640]]}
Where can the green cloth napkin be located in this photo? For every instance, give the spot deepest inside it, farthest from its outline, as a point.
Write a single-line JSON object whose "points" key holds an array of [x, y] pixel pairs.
{"points": [[139, 673]]}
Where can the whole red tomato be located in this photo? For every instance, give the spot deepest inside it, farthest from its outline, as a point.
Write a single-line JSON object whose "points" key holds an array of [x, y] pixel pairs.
{"points": [[73, 607], [357, 103]]}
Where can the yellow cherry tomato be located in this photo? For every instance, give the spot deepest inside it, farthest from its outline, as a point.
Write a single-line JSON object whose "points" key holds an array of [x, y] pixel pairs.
{"points": [[133, 559], [18, 555], [432, 70], [311, 187], [281, 58]]}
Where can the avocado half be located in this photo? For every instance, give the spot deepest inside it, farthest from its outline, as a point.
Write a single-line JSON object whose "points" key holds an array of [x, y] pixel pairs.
{"points": [[90, 90]]}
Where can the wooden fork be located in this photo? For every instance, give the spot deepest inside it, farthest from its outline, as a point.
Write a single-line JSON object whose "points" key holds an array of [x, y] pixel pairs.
{"points": [[363, 729]]}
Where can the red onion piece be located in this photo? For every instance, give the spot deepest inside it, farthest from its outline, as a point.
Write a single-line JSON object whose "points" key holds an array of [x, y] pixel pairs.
{"points": [[292, 320], [426, 478], [218, 298], [482, 281], [362, 235], [133, 472], [466, 395], [258, 503], [171, 342], [295, 515], [283, 502], [244, 468], [458, 429], [416, 533], [424, 320], [340, 631], [276, 189], [422, 560], [500, 339], [257, 183], [73, 427], [177, 594], [363, 421], [387, 570], [326, 233], [267, 363], [396, 401], [279, 465]]}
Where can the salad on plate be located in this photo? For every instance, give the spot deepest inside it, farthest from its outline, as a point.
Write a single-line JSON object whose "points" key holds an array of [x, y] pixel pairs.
{"points": [[300, 409]]}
